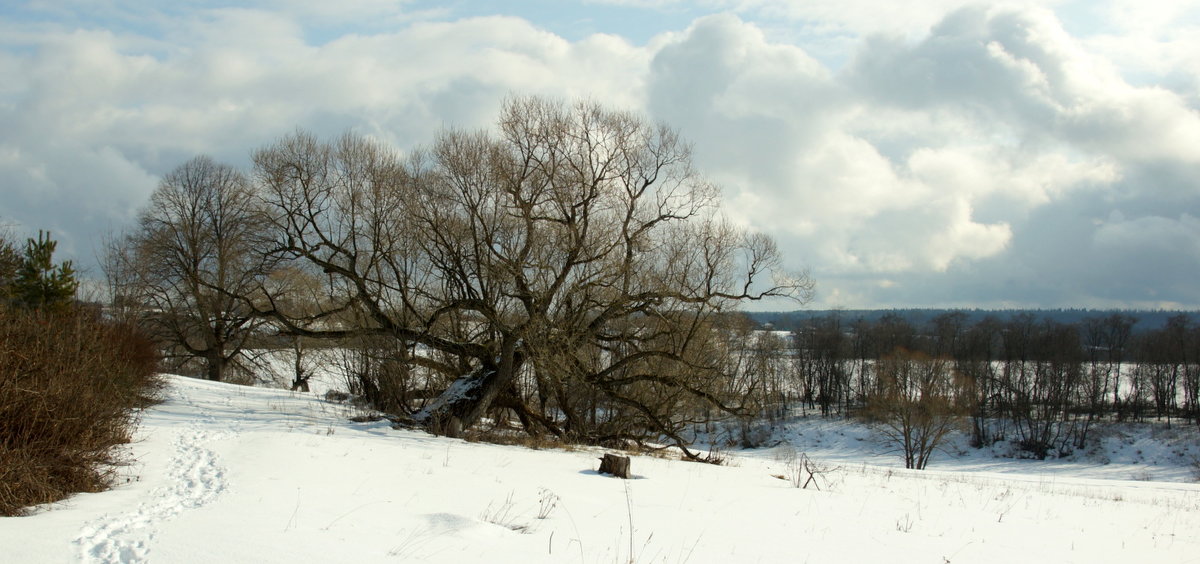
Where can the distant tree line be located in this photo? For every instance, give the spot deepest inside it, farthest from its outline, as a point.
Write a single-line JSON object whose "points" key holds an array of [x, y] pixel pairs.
{"points": [[1144, 319], [1033, 380]]}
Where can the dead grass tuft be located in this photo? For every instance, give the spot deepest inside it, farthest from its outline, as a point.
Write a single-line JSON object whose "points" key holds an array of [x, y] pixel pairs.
{"points": [[515, 437]]}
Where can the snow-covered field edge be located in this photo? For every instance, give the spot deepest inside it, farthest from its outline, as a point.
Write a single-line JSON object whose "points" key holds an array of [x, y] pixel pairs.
{"points": [[224, 473]]}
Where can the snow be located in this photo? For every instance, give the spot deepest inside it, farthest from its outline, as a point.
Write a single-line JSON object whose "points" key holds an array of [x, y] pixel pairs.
{"points": [[459, 390], [225, 473], [1140, 452]]}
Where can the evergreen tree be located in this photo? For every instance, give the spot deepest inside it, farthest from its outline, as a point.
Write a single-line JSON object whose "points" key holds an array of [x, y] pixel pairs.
{"points": [[10, 261], [39, 283]]}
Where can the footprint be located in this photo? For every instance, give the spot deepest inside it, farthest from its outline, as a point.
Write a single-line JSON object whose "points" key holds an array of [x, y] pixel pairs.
{"points": [[195, 477]]}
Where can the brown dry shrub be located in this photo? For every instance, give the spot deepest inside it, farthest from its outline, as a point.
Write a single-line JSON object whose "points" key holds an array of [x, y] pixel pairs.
{"points": [[71, 385]]}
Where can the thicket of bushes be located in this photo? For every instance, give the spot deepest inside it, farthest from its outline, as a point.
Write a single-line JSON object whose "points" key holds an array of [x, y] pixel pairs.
{"points": [[70, 388]]}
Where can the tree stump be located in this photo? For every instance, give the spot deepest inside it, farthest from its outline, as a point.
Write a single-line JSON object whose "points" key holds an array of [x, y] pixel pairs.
{"points": [[615, 465]]}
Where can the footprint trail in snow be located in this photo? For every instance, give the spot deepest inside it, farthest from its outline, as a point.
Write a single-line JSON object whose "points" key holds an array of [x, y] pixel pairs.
{"points": [[196, 477]]}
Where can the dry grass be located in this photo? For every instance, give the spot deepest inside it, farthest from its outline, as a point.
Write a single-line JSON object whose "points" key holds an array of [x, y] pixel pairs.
{"points": [[70, 387], [516, 437]]}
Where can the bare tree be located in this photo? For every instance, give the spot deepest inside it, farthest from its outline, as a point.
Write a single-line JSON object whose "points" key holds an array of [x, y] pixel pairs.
{"points": [[192, 252], [948, 332], [1164, 356], [1118, 329], [825, 363], [916, 404], [573, 258], [1191, 374], [1042, 370], [755, 367], [1098, 377], [1105, 340]]}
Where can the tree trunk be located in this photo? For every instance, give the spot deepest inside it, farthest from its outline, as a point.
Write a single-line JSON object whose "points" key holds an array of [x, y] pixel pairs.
{"points": [[463, 403], [467, 398], [214, 366]]}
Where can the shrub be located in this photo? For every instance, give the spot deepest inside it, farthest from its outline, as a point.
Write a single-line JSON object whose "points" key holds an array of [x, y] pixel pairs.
{"points": [[71, 385], [915, 406]]}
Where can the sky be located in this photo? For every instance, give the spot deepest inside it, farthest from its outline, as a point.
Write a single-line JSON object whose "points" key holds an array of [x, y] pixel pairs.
{"points": [[933, 153]]}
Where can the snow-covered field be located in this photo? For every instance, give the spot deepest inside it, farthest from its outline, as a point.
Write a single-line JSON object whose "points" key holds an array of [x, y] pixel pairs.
{"points": [[225, 473]]}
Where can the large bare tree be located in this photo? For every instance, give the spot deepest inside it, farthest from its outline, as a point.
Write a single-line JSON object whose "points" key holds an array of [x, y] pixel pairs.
{"points": [[190, 263], [572, 258]]}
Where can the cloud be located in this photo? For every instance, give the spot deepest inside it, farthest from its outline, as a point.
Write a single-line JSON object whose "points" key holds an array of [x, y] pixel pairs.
{"points": [[957, 155], [1167, 248], [942, 165], [92, 117], [1020, 68], [783, 134]]}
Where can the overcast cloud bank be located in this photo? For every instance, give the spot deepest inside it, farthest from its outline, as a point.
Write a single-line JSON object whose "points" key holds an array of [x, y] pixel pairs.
{"points": [[948, 154]]}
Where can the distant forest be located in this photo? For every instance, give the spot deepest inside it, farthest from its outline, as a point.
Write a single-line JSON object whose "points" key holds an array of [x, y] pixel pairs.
{"points": [[1144, 320], [1041, 377]]}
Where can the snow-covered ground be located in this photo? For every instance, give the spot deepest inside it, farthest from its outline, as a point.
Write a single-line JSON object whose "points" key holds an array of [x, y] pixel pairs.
{"points": [[1139, 452], [225, 473]]}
